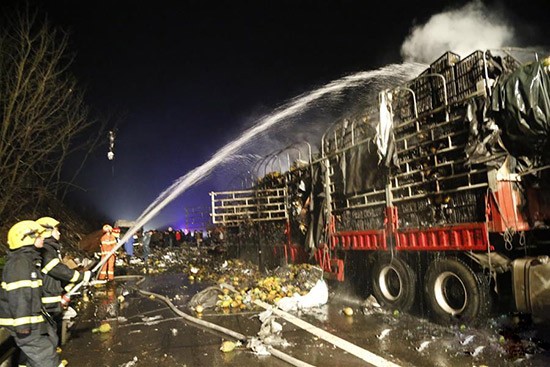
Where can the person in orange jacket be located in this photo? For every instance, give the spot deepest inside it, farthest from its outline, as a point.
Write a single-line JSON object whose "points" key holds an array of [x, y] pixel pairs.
{"points": [[108, 243]]}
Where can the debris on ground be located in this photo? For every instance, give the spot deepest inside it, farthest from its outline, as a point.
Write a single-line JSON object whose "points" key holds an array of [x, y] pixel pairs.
{"points": [[271, 331], [317, 296]]}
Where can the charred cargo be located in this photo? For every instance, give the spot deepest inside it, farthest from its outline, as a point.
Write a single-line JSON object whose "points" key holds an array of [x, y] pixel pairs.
{"points": [[442, 192]]}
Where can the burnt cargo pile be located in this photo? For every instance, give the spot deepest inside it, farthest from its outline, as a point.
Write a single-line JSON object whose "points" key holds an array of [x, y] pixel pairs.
{"points": [[436, 194]]}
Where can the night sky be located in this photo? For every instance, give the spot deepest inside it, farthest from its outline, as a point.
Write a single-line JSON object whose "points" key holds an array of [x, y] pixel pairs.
{"points": [[189, 76]]}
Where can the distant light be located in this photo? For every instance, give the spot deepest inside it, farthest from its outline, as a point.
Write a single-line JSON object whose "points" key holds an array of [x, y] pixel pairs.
{"points": [[110, 156]]}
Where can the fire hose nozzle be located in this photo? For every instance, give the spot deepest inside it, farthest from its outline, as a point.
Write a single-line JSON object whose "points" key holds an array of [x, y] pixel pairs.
{"points": [[65, 300]]}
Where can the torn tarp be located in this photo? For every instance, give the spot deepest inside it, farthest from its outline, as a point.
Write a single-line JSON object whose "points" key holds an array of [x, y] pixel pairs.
{"points": [[520, 105]]}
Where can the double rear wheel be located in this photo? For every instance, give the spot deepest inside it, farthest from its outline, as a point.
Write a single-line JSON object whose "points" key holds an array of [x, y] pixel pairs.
{"points": [[455, 293], [394, 283]]}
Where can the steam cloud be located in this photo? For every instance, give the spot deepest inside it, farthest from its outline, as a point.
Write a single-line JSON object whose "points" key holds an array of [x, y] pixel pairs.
{"points": [[464, 30]]}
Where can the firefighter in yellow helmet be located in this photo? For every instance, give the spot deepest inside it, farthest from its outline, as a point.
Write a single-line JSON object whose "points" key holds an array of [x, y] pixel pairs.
{"points": [[21, 294], [108, 243], [57, 277]]}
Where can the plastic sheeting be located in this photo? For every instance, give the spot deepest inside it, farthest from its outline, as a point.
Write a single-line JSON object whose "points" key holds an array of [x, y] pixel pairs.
{"points": [[362, 170], [317, 296], [520, 105]]}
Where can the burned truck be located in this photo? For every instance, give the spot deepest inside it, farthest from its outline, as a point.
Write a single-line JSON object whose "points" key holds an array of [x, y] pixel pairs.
{"points": [[438, 195]]}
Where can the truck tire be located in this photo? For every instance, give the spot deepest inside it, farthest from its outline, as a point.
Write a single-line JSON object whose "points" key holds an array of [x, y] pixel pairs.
{"points": [[394, 283], [455, 293]]}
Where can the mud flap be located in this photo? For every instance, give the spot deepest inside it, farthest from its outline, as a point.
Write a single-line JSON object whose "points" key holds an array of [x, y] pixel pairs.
{"points": [[531, 284]]}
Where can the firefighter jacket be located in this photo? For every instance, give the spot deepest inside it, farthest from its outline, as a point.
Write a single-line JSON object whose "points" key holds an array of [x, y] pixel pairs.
{"points": [[56, 276], [21, 291], [108, 242]]}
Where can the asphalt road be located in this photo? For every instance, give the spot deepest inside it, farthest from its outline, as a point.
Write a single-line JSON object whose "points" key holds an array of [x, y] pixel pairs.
{"points": [[146, 332]]}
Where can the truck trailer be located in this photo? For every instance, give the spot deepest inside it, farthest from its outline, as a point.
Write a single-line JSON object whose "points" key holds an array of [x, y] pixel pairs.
{"points": [[437, 196]]}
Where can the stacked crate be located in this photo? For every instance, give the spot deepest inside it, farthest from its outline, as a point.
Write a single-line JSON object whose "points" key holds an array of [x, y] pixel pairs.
{"points": [[445, 67], [403, 99], [470, 71], [433, 185], [423, 89]]}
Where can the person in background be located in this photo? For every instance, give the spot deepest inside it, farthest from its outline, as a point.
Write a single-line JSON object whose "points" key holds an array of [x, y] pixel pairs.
{"points": [[146, 242], [178, 237], [170, 238], [56, 275], [198, 237], [129, 248], [21, 297], [108, 243]]}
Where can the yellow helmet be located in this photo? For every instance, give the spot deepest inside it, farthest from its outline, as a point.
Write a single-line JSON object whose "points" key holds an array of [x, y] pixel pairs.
{"points": [[23, 233], [107, 228], [49, 224]]}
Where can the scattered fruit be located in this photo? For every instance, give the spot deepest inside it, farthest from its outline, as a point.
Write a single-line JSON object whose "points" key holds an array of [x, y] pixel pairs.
{"points": [[228, 346], [104, 328], [348, 311]]}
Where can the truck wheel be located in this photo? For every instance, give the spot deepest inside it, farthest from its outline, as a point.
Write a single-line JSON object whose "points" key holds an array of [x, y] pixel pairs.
{"points": [[455, 293], [394, 283]]}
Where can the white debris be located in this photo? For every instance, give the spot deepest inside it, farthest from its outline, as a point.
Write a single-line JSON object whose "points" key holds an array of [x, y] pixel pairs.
{"points": [[317, 296], [224, 265], [134, 332], [122, 319], [423, 346], [132, 363], [383, 334], [136, 261], [69, 313], [270, 327], [478, 350], [270, 331], [257, 347], [194, 270], [151, 320], [174, 331], [265, 314], [371, 302], [467, 340]]}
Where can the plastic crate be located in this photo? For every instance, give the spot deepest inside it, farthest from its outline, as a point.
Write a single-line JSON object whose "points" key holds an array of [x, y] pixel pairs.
{"points": [[469, 71], [510, 63], [450, 84], [446, 61], [422, 87]]}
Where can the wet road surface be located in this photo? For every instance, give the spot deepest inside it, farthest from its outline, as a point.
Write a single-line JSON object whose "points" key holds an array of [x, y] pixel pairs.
{"points": [[146, 332]]}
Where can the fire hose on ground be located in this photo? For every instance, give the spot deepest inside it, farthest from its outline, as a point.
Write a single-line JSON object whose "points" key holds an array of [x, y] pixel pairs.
{"points": [[237, 336], [351, 348]]}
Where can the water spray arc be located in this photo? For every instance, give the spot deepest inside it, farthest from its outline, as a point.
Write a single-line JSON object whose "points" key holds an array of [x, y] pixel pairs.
{"points": [[294, 107]]}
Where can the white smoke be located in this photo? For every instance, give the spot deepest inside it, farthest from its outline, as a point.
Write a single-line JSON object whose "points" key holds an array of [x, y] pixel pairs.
{"points": [[464, 30]]}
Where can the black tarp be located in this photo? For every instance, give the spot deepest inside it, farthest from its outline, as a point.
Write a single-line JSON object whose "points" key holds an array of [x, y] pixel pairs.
{"points": [[520, 105], [362, 171]]}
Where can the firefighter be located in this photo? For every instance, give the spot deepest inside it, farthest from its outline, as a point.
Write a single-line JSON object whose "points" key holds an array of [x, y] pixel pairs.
{"points": [[21, 310], [108, 243], [56, 275]]}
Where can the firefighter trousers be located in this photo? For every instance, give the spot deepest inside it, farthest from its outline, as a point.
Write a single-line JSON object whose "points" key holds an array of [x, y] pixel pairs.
{"points": [[38, 349], [107, 271]]}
